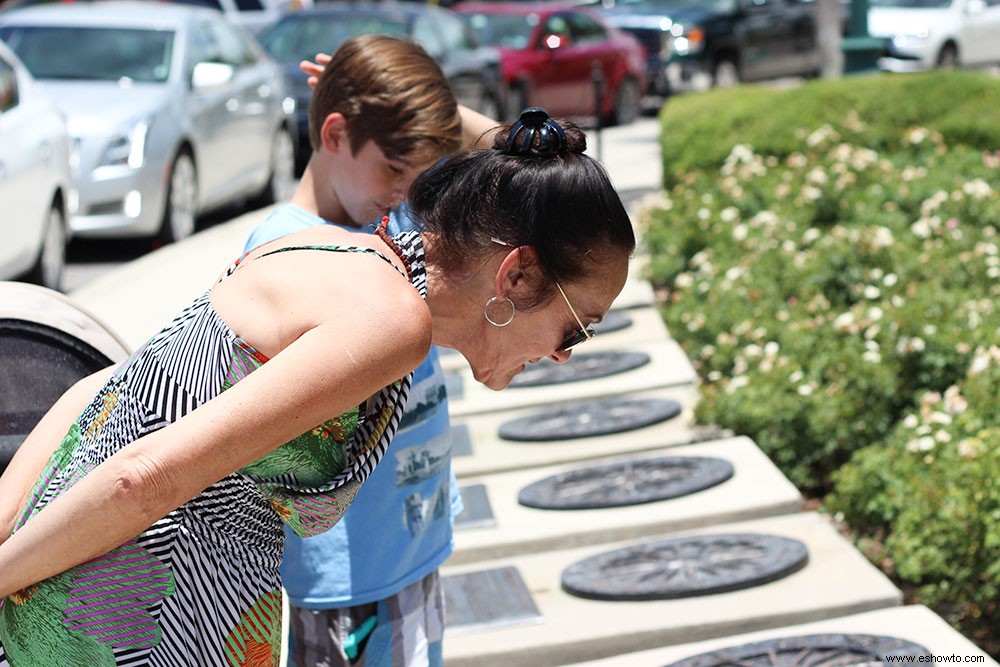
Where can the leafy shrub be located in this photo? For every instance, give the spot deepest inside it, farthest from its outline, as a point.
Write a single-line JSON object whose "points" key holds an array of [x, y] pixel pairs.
{"points": [[928, 495], [830, 262]]}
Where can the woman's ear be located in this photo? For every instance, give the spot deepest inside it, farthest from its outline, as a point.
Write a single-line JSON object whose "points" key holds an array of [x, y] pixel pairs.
{"points": [[515, 271], [334, 133]]}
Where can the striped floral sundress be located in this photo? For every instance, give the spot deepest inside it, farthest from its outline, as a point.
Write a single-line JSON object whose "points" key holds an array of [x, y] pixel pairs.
{"points": [[200, 587]]}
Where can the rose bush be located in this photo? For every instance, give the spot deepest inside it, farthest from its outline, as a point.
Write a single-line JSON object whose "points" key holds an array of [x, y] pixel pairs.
{"points": [[836, 285]]}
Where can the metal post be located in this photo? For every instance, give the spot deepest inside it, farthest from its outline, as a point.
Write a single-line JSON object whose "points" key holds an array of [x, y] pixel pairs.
{"points": [[598, 78]]}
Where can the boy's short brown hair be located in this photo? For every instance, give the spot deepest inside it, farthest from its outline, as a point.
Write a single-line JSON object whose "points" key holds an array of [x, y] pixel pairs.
{"points": [[390, 91]]}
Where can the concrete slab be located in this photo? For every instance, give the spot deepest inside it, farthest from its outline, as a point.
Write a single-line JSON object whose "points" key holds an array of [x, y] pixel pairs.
{"points": [[914, 623], [668, 367], [756, 489], [836, 582], [647, 326], [488, 453]]}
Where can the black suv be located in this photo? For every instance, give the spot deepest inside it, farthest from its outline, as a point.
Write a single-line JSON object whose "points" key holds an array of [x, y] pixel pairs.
{"points": [[697, 44]]}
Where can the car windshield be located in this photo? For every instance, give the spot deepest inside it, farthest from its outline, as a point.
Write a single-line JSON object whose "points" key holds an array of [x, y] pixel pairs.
{"points": [[673, 5], [507, 30], [301, 37], [911, 4], [85, 53]]}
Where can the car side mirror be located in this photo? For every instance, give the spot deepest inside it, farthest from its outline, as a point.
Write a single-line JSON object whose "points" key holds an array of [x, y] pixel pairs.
{"points": [[211, 75], [553, 41], [975, 6]]}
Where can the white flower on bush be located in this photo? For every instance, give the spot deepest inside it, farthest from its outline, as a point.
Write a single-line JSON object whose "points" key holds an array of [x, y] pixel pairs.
{"points": [[913, 173], [908, 345], [811, 235], [683, 281], [824, 133], [796, 161], [984, 359], [921, 229], [740, 232], [954, 402], [872, 357], [942, 436], [863, 158], [916, 135], [764, 219], [933, 202], [911, 421], [883, 238], [737, 383], [811, 193], [871, 292], [734, 273], [740, 153], [977, 188], [844, 321], [924, 444], [704, 214], [938, 417], [817, 176], [796, 376], [714, 376], [729, 214], [890, 279]]}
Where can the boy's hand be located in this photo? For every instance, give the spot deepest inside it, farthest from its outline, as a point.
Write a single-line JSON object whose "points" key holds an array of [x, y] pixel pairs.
{"points": [[315, 68]]}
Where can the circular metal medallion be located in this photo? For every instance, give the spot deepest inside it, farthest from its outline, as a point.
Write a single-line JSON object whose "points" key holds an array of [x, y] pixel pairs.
{"points": [[685, 567], [821, 650], [615, 320], [581, 419], [579, 367], [629, 482]]}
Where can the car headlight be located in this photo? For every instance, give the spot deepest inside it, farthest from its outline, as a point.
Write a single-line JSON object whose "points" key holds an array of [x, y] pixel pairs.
{"points": [[128, 147], [909, 38], [687, 39]]}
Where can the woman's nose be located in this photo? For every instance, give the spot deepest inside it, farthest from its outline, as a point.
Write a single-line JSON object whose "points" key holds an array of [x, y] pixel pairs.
{"points": [[561, 356]]}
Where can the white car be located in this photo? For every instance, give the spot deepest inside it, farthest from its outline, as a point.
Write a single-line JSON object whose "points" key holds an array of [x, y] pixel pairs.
{"points": [[923, 34], [174, 111], [36, 186]]}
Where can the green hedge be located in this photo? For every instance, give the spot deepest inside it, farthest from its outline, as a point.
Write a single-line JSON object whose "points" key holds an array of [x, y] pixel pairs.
{"points": [[698, 131], [830, 260]]}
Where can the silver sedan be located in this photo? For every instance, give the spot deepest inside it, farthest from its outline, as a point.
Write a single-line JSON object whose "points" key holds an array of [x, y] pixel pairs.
{"points": [[36, 187], [174, 111]]}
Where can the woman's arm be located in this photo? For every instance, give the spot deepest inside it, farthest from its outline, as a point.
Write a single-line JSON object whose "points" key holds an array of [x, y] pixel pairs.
{"points": [[326, 371], [22, 472]]}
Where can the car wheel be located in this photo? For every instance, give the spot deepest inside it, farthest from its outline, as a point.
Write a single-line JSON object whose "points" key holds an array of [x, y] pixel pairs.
{"points": [[948, 57], [517, 101], [628, 102], [726, 73], [51, 262], [281, 183], [182, 201]]}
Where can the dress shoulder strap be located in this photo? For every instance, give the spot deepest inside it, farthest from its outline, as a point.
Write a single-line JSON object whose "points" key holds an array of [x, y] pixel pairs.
{"points": [[327, 248]]}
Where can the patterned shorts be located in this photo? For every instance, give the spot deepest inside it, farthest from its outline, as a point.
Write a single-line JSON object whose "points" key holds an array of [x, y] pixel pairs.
{"points": [[407, 631]]}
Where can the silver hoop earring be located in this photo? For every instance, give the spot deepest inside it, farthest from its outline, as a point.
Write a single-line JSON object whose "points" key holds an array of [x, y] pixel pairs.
{"points": [[486, 312]]}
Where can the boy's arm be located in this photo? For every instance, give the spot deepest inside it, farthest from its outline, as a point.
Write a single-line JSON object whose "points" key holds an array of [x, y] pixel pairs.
{"points": [[477, 130]]}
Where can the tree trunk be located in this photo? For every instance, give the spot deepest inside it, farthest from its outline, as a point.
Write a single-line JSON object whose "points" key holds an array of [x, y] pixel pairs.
{"points": [[829, 32]]}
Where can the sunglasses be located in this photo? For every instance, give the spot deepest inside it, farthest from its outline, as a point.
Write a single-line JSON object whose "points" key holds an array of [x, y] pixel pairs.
{"points": [[581, 334]]}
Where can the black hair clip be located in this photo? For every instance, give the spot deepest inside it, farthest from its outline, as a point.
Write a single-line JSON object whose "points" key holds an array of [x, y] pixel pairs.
{"points": [[535, 121]]}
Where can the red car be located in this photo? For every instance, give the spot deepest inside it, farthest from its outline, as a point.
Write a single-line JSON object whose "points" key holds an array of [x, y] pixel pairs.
{"points": [[558, 56]]}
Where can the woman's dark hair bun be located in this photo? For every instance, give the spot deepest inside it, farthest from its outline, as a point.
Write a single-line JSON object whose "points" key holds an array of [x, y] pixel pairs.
{"points": [[536, 134]]}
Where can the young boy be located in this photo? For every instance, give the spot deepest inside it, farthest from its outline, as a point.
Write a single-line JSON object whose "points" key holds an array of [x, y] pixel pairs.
{"points": [[367, 592]]}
